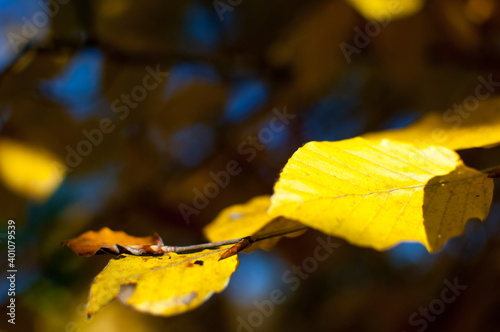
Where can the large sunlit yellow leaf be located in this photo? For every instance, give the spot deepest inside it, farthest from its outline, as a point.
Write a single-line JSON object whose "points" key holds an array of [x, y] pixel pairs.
{"points": [[28, 171], [166, 285], [382, 10], [247, 219], [378, 193], [460, 127]]}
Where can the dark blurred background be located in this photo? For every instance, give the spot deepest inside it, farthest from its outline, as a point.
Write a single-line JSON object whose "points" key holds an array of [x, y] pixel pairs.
{"points": [[67, 67]]}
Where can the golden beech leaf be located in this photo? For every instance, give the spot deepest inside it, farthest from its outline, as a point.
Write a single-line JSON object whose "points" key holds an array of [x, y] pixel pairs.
{"points": [[455, 130], [247, 219], [90, 242], [385, 10], [166, 285], [378, 193], [31, 172]]}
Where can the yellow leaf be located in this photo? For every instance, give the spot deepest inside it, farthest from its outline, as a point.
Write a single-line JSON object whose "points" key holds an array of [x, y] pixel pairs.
{"points": [[31, 172], [454, 130], [166, 285], [247, 219], [383, 10], [378, 193]]}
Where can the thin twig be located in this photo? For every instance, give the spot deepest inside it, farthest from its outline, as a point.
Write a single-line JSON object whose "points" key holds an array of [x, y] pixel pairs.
{"points": [[489, 169], [247, 241], [202, 246], [277, 233], [252, 239], [160, 250]]}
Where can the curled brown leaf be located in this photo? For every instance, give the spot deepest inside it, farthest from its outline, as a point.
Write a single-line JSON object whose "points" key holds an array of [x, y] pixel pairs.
{"points": [[106, 240]]}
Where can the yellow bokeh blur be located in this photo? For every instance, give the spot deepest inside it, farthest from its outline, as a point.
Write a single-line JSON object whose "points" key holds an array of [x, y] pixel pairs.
{"points": [[29, 171], [382, 10]]}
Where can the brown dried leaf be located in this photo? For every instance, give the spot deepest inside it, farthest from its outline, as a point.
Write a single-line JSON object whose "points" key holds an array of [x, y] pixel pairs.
{"points": [[90, 243]]}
